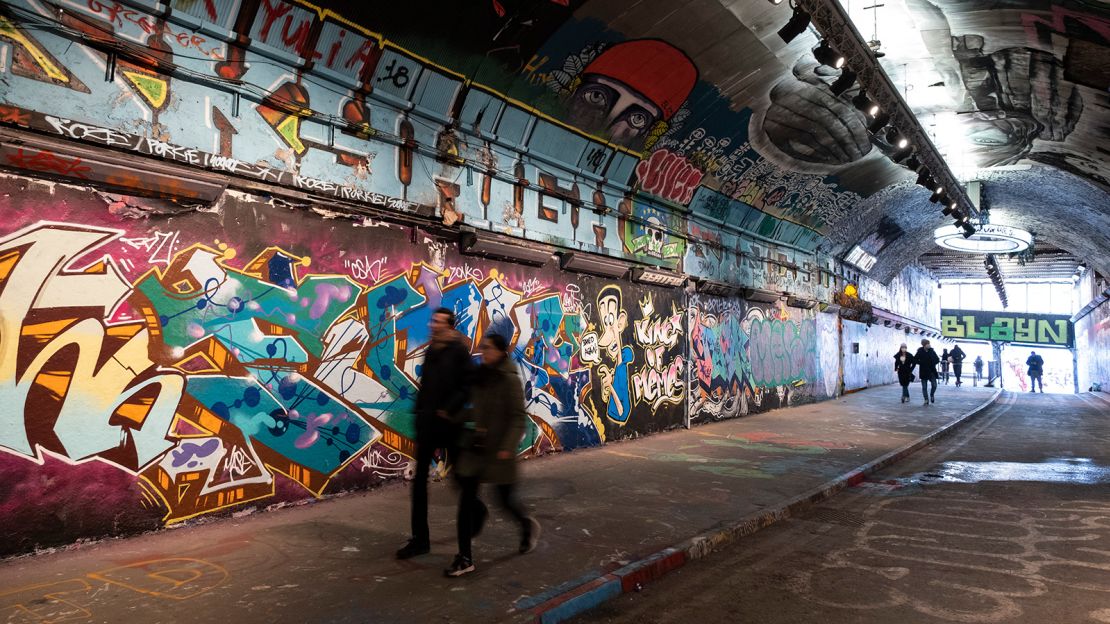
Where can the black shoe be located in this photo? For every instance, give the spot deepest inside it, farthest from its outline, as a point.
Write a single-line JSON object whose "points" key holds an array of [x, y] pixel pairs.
{"points": [[412, 549], [481, 514], [530, 537], [460, 566]]}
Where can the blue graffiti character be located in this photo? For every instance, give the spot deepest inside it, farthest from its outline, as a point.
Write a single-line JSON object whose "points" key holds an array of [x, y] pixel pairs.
{"points": [[613, 373]]}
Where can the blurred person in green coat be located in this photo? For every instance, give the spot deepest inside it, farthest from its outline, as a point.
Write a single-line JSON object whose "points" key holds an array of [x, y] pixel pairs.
{"points": [[489, 451]]}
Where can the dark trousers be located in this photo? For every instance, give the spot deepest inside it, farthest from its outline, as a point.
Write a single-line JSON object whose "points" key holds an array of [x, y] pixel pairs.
{"points": [[426, 446], [905, 390], [472, 510], [1034, 381], [925, 388], [956, 370]]}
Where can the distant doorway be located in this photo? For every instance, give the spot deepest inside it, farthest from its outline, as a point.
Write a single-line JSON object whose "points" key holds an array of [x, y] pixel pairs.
{"points": [[1059, 371]]}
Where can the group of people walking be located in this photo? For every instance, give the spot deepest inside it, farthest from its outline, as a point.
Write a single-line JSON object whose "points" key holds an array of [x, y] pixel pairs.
{"points": [[926, 360], [480, 440]]}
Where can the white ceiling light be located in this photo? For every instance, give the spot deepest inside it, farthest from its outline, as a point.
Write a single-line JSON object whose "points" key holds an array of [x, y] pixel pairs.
{"points": [[989, 239]]}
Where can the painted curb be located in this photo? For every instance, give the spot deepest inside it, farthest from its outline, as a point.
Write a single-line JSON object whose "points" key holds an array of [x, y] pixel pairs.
{"points": [[635, 575]]}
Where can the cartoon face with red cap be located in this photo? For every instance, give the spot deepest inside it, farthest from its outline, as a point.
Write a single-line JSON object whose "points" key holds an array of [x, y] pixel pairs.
{"points": [[630, 87]]}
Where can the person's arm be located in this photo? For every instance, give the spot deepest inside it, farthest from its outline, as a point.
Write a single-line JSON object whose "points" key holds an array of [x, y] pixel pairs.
{"points": [[459, 388], [510, 423]]}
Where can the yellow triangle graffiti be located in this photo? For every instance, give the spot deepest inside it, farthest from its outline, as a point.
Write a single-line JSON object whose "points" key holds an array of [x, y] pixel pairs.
{"points": [[152, 89], [289, 129]]}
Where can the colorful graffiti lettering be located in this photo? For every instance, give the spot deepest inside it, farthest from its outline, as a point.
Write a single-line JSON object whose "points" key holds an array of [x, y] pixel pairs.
{"points": [[781, 351], [660, 380], [669, 176], [207, 379], [48, 162], [718, 375]]}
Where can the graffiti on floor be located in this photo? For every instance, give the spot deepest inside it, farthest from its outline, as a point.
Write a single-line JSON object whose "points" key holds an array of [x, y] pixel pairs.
{"points": [[999, 553], [76, 599]]}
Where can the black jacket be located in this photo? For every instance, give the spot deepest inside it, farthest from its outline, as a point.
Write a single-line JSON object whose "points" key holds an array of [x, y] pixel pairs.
{"points": [[904, 369], [500, 421], [957, 356], [926, 363], [445, 380]]}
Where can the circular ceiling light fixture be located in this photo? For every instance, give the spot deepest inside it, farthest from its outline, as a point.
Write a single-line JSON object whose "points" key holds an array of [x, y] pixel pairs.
{"points": [[988, 239]]}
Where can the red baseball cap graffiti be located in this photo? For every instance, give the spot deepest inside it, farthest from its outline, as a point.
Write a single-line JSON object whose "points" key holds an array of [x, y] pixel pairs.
{"points": [[656, 69]]}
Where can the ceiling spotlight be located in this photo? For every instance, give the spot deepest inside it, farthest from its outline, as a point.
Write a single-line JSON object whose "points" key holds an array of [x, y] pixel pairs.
{"points": [[935, 197], [969, 230], [900, 154], [959, 217], [939, 190], [844, 82], [880, 121], [825, 55], [796, 26], [895, 138], [912, 163], [924, 178], [864, 104], [949, 209], [776, 2]]}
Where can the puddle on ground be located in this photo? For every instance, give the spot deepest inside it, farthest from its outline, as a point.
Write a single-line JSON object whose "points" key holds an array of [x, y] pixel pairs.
{"points": [[1081, 471]]}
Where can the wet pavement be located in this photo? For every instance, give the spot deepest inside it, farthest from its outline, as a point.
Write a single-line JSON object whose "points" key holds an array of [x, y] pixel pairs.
{"points": [[1006, 521], [332, 561]]}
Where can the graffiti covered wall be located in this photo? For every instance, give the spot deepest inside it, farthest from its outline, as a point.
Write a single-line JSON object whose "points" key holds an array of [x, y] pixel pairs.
{"points": [[1092, 334], [781, 360], [913, 294], [162, 368], [570, 131]]}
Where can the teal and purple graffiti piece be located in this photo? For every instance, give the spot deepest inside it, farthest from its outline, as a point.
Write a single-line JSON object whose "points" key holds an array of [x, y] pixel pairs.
{"points": [[291, 417], [228, 297], [781, 351], [386, 303], [714, 349], [246, 340], [557, 345]]}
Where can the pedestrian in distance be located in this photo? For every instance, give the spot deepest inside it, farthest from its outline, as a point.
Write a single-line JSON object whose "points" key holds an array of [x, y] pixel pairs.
{"points": [[927, 361], [903, 366], [957, 356], [488, 451], [945, 362], [1036, 369], [444, 390], [978, 368]]}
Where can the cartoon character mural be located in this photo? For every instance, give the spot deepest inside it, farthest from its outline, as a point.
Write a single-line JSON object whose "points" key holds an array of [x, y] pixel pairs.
{"points": [[628, 91], [635, 363], [613, 357]]}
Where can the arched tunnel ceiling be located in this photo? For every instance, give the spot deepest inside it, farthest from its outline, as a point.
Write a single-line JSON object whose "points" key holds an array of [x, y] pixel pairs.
{"points": [[996, 83], [717, 114]]}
